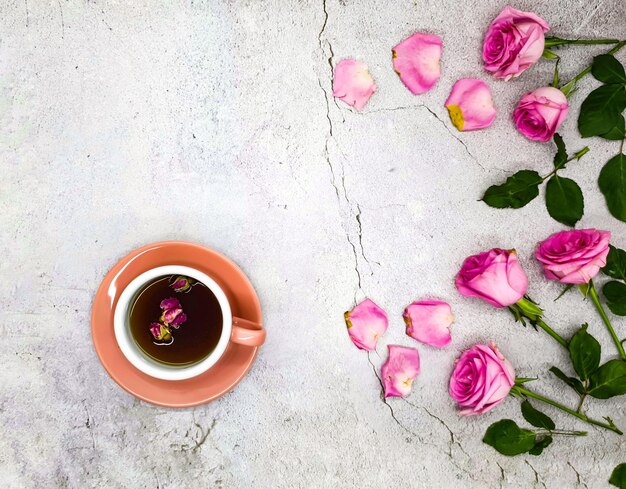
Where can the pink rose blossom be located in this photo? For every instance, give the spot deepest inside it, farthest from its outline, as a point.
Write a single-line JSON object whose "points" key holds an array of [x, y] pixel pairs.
{"points": [[513, 43], [178, 320], [353, 83], [416, 61], [574, 257], [366, 324], [160, 332], [482, 378], [170, 315], [539, 114], [495, 276], [470, 105], [181, 284], [428, 322], [399, 371]]}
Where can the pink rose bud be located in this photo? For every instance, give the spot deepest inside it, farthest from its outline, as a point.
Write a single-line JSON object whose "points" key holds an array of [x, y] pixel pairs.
{"points": [[482, 378], [495, 276], [470, 105], [539, 114], [170, 303], [353, 83], [178, 320], [399, 371], [574, 257], [181, 284], [160, 332], [428, 322], [513, 43], [170, 315], [366, 324], [416, 61]]}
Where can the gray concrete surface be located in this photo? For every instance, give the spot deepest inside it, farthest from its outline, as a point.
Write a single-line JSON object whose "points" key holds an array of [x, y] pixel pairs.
{"points": [[128, 122]]}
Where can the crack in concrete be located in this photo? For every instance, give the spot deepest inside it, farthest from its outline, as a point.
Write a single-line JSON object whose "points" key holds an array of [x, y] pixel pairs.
{"points": [[453, 441], [579, 481], [502, 477], [411, 432], [384, 399], [434, 114], [203, 436], [322, 40], [89, 426], [537, 481], [62, 20]]}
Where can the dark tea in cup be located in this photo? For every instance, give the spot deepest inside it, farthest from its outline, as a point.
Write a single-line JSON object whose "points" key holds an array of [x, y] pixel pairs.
{"points": [[175, 320]]}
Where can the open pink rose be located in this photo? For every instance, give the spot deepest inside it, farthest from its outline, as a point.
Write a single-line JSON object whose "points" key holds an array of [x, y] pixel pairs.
{"points": [[470, 105], [416, 61], [353, 83], [366, 324], [399, 371], [513, 43], [539, 114], [482, 378], [574, 257], [495, 276], [428, 322]]}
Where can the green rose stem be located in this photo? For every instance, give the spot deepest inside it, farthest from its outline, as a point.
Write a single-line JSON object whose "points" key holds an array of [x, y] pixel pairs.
{"points": [[528, 309], [523, 392], [567, 88], [551, 332], [590, 290], [557, 41]]}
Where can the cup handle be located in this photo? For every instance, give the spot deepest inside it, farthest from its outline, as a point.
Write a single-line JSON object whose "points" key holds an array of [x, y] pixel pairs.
{"points": [[247, 333]]}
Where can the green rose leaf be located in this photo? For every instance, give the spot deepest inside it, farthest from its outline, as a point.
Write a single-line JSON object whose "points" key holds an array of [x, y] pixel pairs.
{"points": [[615, 293], [600, 111], [536, 417], [615, 263], [560, 158], [618, 477], [540, 445], [609, 380], [617, 133], [584, 351], [607, 69], [573, 382], [564, 200], [508, 438], [612, 183], [518, 190]]}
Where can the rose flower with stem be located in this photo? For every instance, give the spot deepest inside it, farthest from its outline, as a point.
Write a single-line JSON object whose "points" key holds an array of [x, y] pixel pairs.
{"points": [[575, 258], [497, 277]]}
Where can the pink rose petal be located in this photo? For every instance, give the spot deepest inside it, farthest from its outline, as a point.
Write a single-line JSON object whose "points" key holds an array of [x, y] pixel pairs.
{"points": [[170, 303], [353, 83], [428, 322], [366, 324], [416, 61], [470, 105], [399, 371]]}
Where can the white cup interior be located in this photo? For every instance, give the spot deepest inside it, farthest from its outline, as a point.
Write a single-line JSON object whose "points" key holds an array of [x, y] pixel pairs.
{"points": [[142, 361]]}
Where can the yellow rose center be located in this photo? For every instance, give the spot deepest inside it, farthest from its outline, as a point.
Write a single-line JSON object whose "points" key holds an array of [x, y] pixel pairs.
{"points": [[456, 116]]}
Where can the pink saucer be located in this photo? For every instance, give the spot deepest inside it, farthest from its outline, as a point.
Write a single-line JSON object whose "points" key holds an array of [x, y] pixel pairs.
{"points": [[212, 384]]}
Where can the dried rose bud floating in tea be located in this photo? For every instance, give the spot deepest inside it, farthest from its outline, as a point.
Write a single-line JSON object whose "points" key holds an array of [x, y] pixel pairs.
{"points": [[175, 320]]}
